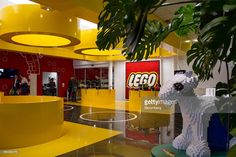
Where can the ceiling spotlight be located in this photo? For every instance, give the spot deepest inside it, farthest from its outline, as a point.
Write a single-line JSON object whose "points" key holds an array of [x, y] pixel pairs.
{"points": [[187, 41], [46, 8]]}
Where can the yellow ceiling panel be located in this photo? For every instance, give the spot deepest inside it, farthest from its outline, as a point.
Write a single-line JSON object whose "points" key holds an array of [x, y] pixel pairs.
{"points": [[88, 10]]}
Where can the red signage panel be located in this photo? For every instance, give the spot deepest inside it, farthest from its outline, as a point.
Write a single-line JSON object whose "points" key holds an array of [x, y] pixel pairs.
{"points": [[140, 74]]}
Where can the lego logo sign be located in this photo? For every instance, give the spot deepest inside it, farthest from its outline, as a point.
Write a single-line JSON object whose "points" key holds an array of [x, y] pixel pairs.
{"points": [[140, 73], [137, 79]]}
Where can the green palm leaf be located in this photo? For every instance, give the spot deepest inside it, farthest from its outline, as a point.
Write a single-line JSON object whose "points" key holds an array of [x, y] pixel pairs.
{"points": [[154, 34], [217, 32], [190, 21], [126, 20]]}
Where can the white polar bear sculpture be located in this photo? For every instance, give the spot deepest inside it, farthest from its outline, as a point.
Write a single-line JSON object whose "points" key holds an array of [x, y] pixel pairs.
{"points": [[196, 113]]}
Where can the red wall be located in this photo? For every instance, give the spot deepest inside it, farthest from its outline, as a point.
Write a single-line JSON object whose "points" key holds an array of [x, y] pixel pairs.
{"points": [[37, 64]]}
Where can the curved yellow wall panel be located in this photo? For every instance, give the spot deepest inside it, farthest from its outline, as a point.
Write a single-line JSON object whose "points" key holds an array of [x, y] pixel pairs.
{"points": [[29, 120]]}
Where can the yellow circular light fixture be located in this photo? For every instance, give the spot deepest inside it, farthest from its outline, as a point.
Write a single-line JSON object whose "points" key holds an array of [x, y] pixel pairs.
{"points": [[97, 52], [40, 40], [30, 25]]}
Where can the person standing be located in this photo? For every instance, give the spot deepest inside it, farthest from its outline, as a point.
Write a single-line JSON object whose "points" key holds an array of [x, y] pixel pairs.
{"points": [[98, 82], [52, 87], [24, 85], [72, 89], [16, 85]]}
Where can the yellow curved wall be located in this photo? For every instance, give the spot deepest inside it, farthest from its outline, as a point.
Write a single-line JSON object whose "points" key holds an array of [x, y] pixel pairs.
{"points": [[29, 120], [102, 98]]}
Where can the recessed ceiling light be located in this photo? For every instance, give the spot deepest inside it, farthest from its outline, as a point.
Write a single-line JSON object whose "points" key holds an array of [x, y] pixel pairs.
{"points": [[187, 41]]}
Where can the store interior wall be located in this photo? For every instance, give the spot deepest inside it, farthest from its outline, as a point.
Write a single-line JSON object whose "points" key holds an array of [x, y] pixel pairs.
{"points": [[88, 73], [181, 63], [64, 68], [36, 64], [168, 65], [11, 60], [167, 69]]}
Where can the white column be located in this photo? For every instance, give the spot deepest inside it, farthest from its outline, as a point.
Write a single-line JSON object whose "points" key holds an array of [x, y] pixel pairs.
{"points": [[110, 75], [33, 84], [119, 80]]}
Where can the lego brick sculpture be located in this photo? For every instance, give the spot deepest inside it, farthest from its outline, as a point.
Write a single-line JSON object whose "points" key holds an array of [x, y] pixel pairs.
{"points": [[196, 112]]}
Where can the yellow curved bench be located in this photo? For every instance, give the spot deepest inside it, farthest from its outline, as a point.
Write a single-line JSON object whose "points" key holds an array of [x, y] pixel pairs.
{"points": [[29, 120]]}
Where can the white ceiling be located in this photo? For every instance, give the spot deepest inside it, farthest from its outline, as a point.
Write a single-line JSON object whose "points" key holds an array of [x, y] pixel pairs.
{"points": [[5, 3], [167, 12]]}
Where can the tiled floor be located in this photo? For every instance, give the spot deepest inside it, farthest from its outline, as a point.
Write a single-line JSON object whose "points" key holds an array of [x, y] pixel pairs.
{"points": [[140, 131]]}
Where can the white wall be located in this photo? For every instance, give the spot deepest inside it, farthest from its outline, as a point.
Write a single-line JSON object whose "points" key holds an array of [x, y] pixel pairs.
{"points": [[33, 84], [119, 80], [167, 69], [211, 83]]}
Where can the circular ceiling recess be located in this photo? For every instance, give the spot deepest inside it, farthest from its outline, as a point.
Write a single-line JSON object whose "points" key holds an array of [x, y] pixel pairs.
{"points": [[30, 25], [97, 52]]}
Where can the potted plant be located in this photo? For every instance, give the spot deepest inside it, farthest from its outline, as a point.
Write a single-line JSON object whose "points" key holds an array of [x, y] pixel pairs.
{"points": [[217, 43], [213, 21]]}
